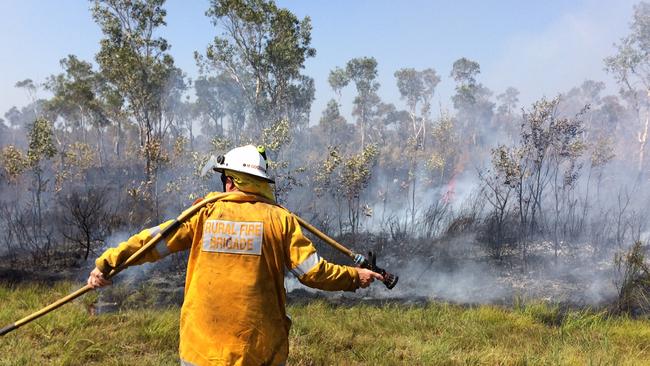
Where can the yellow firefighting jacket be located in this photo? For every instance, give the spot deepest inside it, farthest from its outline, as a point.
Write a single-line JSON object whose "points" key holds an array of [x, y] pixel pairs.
{"points": [[234, 307]]}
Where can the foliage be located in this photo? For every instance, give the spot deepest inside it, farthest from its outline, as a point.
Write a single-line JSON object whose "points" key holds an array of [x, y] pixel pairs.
{"points": [[338, 79], [363, 72], [472, 99], [354, 178], [262, 50], [75, 94], [14, 162], [137, 64], [546, 159], [41, 142], [631, 68], [633, 281], [333, 125], [76, 159]]}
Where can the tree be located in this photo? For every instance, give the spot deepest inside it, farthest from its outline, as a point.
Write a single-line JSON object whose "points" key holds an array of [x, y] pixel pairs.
{"points": [[338, 79], [30, 89], [509, 100], [354, 177], [325, 184], [87, 220], [631, 68], [219, 97], [137, 64], [507, 116], [113, 106], [75, 99], [498, 191], [301, 96], [445, 149], [41, 148], [176, 113], [417, 88], [14, 162], [23, 117], [4, 131], [363, 72], [210, 104], [262, 50], [471, 98], [547, 155], [333, 125]]}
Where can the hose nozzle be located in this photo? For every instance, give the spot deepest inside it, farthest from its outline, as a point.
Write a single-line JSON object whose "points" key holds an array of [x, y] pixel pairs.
{"points": [[390, 280]]}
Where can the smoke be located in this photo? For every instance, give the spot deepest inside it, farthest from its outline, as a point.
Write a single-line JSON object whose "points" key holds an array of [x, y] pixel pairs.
{"points": [[439, 253], [476, 281]]}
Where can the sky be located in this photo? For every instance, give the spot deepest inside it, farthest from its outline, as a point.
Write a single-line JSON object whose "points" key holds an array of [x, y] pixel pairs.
{"points": [[542, 48]]}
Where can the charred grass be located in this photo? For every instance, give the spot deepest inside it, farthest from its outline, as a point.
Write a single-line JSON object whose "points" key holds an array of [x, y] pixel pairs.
{"points": [[328, 334]]}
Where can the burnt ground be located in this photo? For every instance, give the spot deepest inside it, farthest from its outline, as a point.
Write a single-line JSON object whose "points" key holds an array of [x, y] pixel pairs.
{"points": [[464, 276]]}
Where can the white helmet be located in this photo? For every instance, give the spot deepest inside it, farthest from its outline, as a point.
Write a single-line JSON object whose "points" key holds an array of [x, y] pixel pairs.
{"points": [[245, 159]]}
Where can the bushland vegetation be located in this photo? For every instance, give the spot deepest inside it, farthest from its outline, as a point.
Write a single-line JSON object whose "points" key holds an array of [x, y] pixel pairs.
{"points": [[118, 143]]}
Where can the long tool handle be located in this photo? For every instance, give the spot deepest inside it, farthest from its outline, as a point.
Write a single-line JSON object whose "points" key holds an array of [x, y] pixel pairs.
{"points": [[133, 258], [325, 238], [45, 310], [390, 280]]}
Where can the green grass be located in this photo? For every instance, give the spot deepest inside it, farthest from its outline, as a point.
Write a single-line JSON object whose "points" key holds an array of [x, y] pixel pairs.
{"points": [[323, 334]]}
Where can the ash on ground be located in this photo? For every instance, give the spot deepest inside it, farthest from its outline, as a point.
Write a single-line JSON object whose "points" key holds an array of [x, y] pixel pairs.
{"points": [[572, 279]]}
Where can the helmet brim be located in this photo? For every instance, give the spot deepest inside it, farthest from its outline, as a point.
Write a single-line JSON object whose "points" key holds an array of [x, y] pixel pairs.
{"points": [[268, 180]]}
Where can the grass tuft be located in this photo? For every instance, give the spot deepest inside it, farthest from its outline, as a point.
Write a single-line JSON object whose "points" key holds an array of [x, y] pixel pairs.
{"points": [[324, 334]]}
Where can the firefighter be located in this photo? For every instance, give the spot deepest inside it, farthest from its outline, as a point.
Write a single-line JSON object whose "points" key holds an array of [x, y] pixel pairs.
{"points": [[240, 247]]}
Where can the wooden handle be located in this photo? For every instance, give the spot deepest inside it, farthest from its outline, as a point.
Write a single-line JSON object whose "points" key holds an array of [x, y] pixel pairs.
{"points": [[324, 237], [134, 257]]}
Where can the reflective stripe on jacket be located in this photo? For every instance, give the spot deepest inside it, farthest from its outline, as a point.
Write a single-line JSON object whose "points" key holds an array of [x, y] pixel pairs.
{"points": [[234, 307]]}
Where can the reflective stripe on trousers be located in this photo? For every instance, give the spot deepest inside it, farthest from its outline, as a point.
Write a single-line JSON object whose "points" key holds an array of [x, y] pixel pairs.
{"points": [[185, 363]]}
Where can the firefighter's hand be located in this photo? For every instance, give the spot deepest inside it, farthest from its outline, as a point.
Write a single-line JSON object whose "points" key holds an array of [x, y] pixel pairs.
{"points": [[97, 279], [366, 277]]}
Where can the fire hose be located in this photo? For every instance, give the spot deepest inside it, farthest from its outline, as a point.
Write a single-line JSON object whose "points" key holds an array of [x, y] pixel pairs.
{"points": [[390, 280]]}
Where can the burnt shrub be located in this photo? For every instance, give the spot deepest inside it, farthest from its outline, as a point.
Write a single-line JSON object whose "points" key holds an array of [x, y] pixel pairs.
{"points": [[498, 234], [633, 282]]}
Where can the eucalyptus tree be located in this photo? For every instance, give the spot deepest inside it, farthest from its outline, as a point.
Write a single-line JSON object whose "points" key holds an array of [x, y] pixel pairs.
{"points": [[338, 79], [262, 48], [74, 99], [363, 73], [333, 126], [472, 99], [210, 105], [345, 177], [4, 132], [219, 98], [19, 120], [354, 178], [136, 63], [507, 117], [41, 149], [14, 122], [543, 166], [176, 115], [631, 68], [31, 89], [416, 88]]}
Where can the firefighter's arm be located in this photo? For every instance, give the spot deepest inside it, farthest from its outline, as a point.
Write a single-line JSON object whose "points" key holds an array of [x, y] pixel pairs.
{"points": [[178, 240], [314, 271]]}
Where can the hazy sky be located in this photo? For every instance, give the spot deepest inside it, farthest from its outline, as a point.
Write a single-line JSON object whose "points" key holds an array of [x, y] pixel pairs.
{"points": [[540, 47]]}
